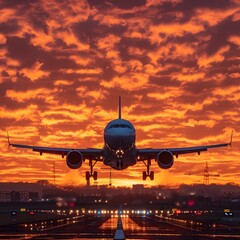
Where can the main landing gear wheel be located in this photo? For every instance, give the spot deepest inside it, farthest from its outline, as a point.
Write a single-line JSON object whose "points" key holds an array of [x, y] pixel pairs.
{"points": [[148, 173], [151, 175], [95, 175], [90, 173], [144, 176]]}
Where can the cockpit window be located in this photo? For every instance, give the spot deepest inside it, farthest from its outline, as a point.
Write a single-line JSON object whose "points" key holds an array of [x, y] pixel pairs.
{"points": [[120, 126]]}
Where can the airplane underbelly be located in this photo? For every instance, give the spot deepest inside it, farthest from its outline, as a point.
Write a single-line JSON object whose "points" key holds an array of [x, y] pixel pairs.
{"points": [[120, 163]]}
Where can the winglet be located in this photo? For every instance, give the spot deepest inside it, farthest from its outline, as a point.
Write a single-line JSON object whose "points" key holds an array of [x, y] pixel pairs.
{"points": [[9, 144], [119, 108], [230, 143]]}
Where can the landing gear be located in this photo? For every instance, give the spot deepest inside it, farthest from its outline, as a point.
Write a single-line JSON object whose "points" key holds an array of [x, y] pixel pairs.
{"points": [[95, 175], [148, 173], [91, 173], [144, 175], [151, 175], [119, 164], [87, 175]]}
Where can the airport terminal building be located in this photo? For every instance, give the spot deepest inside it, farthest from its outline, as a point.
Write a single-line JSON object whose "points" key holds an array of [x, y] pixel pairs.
{"points": [[20, 192]]}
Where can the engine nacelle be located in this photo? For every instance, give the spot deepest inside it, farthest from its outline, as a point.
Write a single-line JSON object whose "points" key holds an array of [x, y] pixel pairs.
{"points": [[74, 159], [165, 159]]}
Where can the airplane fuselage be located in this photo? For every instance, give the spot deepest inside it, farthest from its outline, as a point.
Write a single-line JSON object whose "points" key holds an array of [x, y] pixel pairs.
{"points": [[119, 144]]}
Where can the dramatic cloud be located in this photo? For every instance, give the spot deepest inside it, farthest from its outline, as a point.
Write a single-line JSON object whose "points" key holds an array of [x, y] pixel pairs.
{"points": [[174, 62]]}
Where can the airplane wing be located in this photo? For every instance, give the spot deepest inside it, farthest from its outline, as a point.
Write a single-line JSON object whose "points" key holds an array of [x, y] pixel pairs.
{"points": [[88, 153], [151, 153]]}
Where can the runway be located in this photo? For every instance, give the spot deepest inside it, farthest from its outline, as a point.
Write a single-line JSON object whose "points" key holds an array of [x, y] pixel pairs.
{"points": [[104, 227]]}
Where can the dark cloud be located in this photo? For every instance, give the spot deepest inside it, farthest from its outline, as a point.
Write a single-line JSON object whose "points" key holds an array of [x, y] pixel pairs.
{"points": [[54, 62], [9, 27], [164, 81], [91, 30], [14, 4], [123, 4], [22, 50], [188, 5], [127, 43], [228, 82], [201, 131], [220, 107], [220, 34], [37, 18], [167, 12], [200, 87]]}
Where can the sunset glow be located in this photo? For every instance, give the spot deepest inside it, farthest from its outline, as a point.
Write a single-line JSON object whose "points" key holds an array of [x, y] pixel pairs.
{"points": [[175, 63]]}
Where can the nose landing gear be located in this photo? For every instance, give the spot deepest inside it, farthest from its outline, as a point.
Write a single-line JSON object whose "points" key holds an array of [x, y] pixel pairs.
{"points": [[91, 173], [120, 164], [148, 173]]}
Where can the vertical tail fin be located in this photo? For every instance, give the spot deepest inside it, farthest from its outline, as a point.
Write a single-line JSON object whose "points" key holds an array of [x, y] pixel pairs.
{"points": [[119, 107]]}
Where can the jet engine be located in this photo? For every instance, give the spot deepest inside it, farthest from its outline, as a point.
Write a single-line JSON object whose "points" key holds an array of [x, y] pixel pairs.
{"points": [[74, 159], [165, 159]]}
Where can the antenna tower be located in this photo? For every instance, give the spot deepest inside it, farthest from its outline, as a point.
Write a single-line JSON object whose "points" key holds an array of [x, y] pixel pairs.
{"points": [[206, 175], [54, 174], [110, 178]]}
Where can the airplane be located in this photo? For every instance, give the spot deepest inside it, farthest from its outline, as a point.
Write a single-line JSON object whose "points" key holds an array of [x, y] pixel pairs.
{"points": [[119, 151]]}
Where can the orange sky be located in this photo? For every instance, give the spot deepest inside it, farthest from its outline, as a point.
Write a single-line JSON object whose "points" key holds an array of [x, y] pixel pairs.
{"points": [[174, 62]]}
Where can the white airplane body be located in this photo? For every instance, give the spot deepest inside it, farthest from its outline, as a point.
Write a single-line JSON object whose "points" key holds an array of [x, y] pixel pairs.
{"points": [[119, 150]]}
